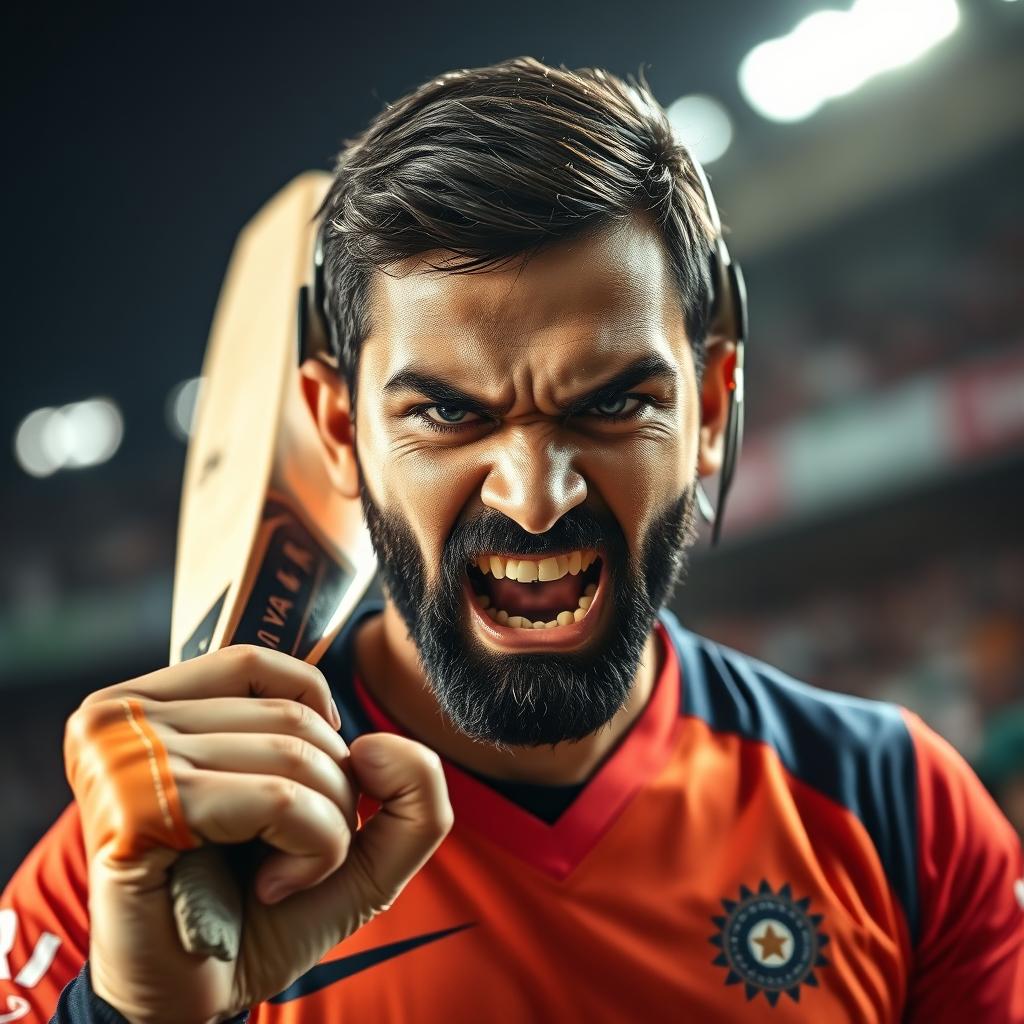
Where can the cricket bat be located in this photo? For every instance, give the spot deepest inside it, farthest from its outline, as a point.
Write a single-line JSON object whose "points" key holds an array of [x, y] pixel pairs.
{"points": [[268, 552]]}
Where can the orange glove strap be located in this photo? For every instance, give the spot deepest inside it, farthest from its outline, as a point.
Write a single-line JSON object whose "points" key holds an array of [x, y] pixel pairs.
{"points": [[122, 780]]}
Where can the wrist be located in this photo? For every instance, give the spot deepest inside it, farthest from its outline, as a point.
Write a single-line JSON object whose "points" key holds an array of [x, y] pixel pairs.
{"points": [[101, 1010]]}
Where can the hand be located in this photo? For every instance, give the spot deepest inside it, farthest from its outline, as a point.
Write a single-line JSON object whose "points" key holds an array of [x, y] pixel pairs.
{"points": [[274, 769]]}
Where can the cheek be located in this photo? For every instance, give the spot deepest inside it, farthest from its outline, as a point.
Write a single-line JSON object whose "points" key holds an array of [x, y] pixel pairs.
{"points": [[638, 482], [636, 479], [424, 488], [640, 479]]}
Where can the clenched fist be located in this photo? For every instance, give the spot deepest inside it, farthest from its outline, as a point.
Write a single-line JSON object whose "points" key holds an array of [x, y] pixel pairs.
{"points": [[182, 756]]}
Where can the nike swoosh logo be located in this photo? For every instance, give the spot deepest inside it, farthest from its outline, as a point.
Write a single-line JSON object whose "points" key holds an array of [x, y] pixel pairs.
{"points": [[326, 974]]}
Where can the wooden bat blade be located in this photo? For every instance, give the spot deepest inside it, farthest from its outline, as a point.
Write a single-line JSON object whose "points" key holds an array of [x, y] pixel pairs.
{"points": [[268, 552]]}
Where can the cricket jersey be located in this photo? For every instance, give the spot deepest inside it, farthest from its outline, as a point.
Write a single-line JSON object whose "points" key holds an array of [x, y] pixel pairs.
{"points": [[753, 850]]}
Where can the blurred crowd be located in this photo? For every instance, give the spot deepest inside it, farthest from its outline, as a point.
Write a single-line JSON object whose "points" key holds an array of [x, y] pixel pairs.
{"points": [[947, 641], [864, 321]]}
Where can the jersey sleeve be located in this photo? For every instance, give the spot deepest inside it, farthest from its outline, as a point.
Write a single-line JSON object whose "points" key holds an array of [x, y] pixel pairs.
{"points": [[79, 1004], [44, 923], [969, 954]]}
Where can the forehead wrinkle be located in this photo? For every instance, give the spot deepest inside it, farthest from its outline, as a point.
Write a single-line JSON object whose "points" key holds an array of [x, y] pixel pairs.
{"points": [[620, 270], [493, 336], [579, 364], [478, 328]]}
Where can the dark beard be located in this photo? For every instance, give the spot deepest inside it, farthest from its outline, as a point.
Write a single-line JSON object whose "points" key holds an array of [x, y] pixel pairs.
{"points": [[530, 699]]}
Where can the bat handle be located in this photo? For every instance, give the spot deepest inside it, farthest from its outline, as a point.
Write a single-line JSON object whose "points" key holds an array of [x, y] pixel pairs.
{"points": [[207, 903]]}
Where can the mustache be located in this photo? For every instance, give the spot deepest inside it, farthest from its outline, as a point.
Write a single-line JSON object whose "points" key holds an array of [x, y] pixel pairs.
{"points": [[491, 530]]}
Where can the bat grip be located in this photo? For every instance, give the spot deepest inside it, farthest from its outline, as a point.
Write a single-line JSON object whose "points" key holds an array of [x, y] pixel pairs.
{"points": [[207, 902], [207, 896]]}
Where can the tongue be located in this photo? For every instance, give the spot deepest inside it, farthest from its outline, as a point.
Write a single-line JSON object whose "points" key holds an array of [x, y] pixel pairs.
{"points": [[519, 598]]}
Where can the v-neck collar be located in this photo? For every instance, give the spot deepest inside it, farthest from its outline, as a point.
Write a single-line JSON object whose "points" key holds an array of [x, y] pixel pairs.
{"points": [[554, 849]]}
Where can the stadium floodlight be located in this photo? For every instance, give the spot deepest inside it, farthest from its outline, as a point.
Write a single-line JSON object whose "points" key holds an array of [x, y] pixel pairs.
{"points": [[181, 407], [91, 432], [703, 126], [831, 53], [29, 450], [72, 437]]}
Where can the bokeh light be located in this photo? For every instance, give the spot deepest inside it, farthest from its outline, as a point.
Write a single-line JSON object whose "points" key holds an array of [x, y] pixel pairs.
{"points": [[703, 124]]}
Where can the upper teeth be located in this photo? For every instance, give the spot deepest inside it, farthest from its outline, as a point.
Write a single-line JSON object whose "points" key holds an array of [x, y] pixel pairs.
{"points": [[543, 570]]}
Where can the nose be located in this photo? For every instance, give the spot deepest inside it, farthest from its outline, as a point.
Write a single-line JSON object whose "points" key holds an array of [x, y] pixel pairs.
{"points": [[532, 480]]}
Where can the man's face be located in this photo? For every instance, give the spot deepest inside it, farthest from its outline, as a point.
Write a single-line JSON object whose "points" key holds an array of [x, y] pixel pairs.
{"points": [[505, 482]]}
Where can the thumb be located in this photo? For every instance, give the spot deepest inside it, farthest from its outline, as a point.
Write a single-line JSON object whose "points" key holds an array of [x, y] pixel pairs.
{"points": [[283, 940], [414, 817]]}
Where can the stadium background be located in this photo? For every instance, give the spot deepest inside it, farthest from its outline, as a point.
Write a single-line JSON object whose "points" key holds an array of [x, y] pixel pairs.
{"points": [[874, 544]]}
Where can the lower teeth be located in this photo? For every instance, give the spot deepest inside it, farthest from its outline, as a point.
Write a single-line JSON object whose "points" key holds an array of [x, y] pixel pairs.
{"points": [[566, 618]]}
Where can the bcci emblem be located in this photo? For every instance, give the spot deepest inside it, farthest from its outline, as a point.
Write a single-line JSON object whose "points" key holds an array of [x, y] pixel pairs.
{"points": [[769, 941]]}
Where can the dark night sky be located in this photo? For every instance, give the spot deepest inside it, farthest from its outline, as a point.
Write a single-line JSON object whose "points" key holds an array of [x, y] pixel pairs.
{"points": [[139, 143], [140, 140]]}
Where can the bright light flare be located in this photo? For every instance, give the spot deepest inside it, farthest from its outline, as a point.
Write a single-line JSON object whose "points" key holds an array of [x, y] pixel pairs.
{"points": [[72, 437], [181, 407], [703, 126], [831, 53], [29, 450]]}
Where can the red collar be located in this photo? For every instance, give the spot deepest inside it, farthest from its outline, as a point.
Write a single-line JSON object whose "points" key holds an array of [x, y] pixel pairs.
{"points": [[557, 849]]}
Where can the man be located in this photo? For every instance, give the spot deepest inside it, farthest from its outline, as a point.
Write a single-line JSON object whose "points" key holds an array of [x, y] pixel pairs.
{"points": [[647, 826]]}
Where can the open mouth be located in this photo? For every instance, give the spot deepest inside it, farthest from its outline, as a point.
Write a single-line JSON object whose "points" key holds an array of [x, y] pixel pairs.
{"points": [[556, 593]]}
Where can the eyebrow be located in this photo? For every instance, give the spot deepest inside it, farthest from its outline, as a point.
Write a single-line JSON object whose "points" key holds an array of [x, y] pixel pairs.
{"points": [[443, 392]]}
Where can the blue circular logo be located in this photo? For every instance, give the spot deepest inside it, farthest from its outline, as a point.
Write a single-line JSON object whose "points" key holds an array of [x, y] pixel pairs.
{"points": [[769, 941]]}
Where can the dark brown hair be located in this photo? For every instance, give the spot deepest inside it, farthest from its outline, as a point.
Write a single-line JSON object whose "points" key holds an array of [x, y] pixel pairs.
{"points": [[495, 163]]}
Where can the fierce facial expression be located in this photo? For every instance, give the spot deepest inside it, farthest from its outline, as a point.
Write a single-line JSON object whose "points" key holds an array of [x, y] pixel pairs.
{"points": [[528, 440]]}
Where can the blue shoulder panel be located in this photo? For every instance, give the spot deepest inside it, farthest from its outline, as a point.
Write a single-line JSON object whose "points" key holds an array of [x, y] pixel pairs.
{"points": [[857, 752]]}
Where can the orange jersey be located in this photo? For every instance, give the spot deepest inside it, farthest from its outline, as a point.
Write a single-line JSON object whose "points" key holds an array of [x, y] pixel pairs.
{"points": [[754, 849]]}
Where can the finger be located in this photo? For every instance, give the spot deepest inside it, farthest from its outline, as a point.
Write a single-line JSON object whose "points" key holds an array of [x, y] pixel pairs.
{"points": [[123, 782], [242, 670], [307, 828], [242, 715], [414, 817], [268, 754]]}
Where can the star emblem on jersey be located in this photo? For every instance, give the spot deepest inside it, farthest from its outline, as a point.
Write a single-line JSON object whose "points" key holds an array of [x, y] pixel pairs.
{"points": [[769, 941]]}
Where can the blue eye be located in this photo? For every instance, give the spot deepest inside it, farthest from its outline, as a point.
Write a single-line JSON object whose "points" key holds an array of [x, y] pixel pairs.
{"points": [[445, 414], [616, 408], [451, 418]]}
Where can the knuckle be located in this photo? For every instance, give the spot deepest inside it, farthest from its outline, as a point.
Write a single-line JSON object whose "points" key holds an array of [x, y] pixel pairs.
{"points": [[105, 693], [84, 722], [294, 751], [426, 767], [79, 719], [436, 821], [74, 733], [296, 716], [283, 794], [319, 679], [243, 659], [444, 818], [432, 763]]}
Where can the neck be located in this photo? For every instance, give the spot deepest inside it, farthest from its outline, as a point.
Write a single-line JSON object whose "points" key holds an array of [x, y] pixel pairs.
{"points": [[389, 667]]}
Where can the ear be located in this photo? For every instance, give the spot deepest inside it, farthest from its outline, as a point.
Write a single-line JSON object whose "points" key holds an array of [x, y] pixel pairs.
{"points": [[716, 390], [326, 394]]}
